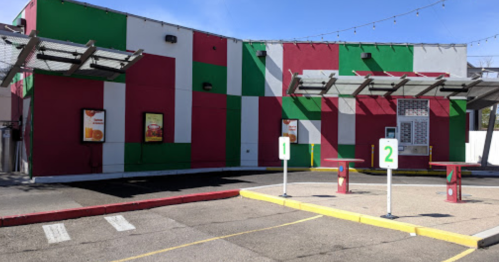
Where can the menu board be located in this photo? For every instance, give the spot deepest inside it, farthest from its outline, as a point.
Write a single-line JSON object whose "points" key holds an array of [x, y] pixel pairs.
{"points": [[153, 127], [94, 125], [290, 129]]}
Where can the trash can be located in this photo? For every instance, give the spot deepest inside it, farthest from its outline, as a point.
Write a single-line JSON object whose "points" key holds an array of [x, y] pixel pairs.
{"points": [[7, 150]]}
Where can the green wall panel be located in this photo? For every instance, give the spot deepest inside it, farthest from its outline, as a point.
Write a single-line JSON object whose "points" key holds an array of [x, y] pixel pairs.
{"points": [[148, 157], [233, 131], [346, 151], [77, 23], [253, 70], [457, 130], [301, 155], [28, 85], [213, 74], [303, 108], [394, 58]]}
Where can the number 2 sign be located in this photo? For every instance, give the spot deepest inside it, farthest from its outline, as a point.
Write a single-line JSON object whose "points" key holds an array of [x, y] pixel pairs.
{"points": [[388, 153]]}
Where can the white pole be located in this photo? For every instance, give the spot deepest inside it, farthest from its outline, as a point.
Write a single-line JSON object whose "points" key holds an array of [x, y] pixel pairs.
{"points": [[389, 198], [285, 178]]}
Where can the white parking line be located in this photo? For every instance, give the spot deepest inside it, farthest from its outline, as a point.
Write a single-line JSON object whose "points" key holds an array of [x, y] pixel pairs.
{"points": [[120, 223], [56, 233]]}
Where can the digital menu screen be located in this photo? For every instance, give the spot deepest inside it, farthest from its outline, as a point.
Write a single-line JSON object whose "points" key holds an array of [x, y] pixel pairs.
{"points": [[290, 129], [94, 125], [153, 127]]}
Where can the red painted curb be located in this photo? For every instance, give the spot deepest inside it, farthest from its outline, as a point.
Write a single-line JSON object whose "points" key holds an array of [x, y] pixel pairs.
{"points": [[50, 216]]}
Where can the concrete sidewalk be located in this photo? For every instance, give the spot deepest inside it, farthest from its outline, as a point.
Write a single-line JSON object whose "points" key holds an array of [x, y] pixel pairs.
{"points": [[418, 205]]}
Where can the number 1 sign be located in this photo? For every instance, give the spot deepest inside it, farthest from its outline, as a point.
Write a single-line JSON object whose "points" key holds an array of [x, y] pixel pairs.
{"points": [[388, 153]]}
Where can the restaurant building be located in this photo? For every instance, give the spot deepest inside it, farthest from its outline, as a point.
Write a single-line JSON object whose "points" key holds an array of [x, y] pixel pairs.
{"points": [[183, 101]]}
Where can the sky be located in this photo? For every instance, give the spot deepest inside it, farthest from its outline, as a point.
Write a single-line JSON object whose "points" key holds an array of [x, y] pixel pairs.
{"points": [[460, 21]]}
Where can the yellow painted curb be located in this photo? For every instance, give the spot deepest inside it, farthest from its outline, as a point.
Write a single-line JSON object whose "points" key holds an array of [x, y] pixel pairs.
{"points": [[372, 171], [469, 241]]}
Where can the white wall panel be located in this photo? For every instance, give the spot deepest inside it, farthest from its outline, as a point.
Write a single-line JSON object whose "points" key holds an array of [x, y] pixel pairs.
{"points": [[113, 157], [319, 73], [249, 155], [273, 70], [346, 121], [183, 116], [114, 104], [150, 36], [234, 67], [113, 150], [5, 103], [474, 149], [446, 59], [309, 132], [249, 131]]}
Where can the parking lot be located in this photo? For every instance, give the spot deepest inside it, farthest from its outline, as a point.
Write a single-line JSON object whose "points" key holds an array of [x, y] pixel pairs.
{"points": [[234, 229]]}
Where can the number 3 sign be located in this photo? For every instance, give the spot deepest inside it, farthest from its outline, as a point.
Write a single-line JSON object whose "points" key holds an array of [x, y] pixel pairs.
{"points": [[388, 153]]}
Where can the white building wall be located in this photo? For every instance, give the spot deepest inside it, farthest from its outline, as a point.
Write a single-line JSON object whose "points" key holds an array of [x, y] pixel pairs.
{"points": [[183, 116], [309, 131], [234, 67], [346, 121], [113, 155], [273, 70], [474, 149], [249, 131], [448, 59]]}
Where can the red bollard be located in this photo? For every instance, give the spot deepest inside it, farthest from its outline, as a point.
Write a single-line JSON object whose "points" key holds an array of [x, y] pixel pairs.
{"points": [[454, 184], [343, 178]]}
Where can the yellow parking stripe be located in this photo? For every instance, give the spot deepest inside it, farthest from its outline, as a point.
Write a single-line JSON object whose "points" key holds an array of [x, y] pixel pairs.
{"points": [[461, 255], [215, 238]]}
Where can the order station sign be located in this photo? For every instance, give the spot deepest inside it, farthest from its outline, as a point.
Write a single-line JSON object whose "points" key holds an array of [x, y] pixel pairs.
{"points": [[389, 159]]}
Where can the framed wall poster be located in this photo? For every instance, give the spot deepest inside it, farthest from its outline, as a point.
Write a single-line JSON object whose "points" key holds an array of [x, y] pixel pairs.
{"points": [[94, 125], [153, 127], [289, 128]]}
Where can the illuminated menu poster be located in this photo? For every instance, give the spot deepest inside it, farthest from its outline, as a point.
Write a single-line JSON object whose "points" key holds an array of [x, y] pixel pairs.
{"points": [[153, 127], [94, 125], [290, 129]]}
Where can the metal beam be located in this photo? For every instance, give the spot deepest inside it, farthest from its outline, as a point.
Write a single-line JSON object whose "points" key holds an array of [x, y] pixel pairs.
{"points": [[21, 59], [363, 85], [84, 57], [138, 55], [329, 84], [488, 137], [480, 97], [294, 84], [468, 87], [440, 81], [397, 86]]}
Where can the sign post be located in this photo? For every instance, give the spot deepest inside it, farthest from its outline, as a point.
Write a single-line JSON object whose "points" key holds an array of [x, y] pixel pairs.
{"points": [[284, 154], [389, 159]]}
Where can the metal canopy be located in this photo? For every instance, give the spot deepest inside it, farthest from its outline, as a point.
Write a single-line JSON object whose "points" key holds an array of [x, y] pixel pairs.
{"points": [[20, 52], [480, 92]]}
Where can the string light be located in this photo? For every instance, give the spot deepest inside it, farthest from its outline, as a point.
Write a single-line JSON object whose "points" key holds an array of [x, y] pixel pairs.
{"points": [[443, 4], [394, 21], [355, 30], [374, 26], [338, 34], [417, 13]]}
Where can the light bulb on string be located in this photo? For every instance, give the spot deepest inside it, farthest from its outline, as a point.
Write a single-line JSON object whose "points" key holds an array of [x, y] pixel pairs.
{"points": [[374, 26], [394, 21], [443, 4], [355, 30], [338, 34], [417, 13], [478, 42], [471, 44], [486, 40]]}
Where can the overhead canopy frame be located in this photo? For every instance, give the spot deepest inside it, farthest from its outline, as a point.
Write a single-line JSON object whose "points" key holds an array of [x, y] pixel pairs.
{"points": [[479, 92], [19, 53]]}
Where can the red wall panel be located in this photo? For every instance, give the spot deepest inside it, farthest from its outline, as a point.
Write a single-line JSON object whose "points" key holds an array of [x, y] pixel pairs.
{"points": [[374, 113], [57, 127], [439, 128], [210, 49], [150, 87], [269, 130], [309, 57], [30, 16], [329, 130], [209, 115]]}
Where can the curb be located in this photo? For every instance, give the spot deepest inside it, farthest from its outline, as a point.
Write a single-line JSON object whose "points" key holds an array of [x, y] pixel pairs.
{"points": [[58, 215], [371, 171], [469, 241]]}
